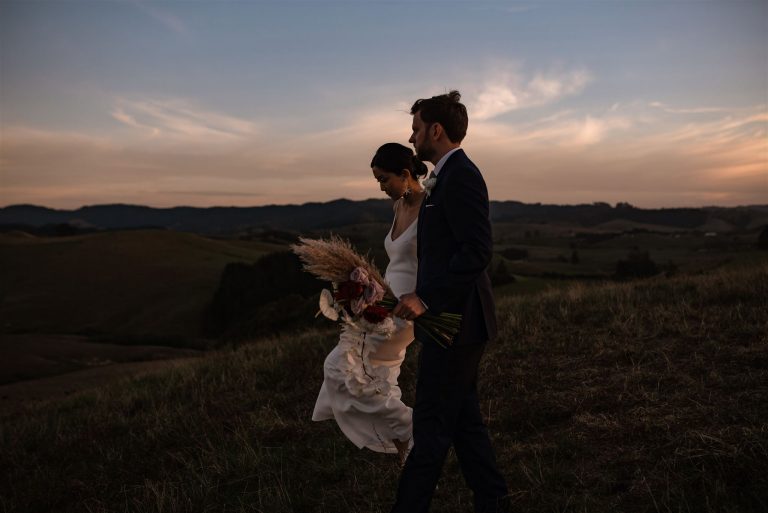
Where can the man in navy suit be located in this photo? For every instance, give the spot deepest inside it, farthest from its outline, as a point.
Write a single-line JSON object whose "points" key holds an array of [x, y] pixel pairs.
{"points": [[454, 250]]}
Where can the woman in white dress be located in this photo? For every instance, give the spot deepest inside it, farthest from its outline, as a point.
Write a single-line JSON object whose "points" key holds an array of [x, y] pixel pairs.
{"points": [[360, 388]]}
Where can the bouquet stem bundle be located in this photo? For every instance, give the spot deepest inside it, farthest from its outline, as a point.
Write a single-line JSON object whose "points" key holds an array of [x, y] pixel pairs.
{"points": [[335, 259], [440, 328]]}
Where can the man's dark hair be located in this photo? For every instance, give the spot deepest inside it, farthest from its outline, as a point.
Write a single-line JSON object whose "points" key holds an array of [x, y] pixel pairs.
{"points": [[447, 110]]}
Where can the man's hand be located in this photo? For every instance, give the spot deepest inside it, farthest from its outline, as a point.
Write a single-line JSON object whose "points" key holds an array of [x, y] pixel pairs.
{"points": [[409, 307]]}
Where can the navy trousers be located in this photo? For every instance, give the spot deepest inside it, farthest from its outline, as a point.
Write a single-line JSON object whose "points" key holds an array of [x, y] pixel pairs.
{"points": [[447, 413]]}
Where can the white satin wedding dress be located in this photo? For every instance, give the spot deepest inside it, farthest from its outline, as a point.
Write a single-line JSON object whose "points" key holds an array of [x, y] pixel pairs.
{"points": [[360, 388]]}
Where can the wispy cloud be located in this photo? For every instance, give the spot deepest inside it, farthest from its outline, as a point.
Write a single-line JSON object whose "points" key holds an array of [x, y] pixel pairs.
{"points": [[733, 148], [165, 18], [179, 119], [518, 9], [566, 129], [628, 155], [622, 153], [693, 110], [509, 90]]}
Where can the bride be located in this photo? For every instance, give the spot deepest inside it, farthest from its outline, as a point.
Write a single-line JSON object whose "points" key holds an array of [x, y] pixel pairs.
{"points": [[360, 388]]}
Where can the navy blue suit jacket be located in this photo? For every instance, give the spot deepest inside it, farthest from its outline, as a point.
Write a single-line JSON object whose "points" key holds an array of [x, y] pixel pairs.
{"points": [[454, 250]]}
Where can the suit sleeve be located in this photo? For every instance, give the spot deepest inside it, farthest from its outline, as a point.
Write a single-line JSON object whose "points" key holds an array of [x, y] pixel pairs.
{"points": [[466, 209]]}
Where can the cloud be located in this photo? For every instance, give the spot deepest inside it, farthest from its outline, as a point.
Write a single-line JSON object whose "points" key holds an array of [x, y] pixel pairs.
{"points": [[694, 110], [506, 91], [632, 157], [734, 148], [179, 120], [565, 129], [168, 20]]}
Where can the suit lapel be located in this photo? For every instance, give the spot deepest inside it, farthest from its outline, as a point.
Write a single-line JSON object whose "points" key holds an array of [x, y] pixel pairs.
{"points": [[419, 223]]}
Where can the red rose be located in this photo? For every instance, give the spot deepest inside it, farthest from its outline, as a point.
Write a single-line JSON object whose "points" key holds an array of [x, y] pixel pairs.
{"points": [[375, 314], [349, 290]]}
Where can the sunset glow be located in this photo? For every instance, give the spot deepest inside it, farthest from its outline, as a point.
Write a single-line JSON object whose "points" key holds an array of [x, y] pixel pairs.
{"points": [[251, 103]]}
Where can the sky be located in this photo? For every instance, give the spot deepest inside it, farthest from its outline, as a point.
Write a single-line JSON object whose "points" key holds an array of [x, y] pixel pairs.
{"points": [[659, 103]]}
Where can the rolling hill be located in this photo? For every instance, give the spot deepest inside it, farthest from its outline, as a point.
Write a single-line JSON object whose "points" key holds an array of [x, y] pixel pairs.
{"points": [[149, 286]]}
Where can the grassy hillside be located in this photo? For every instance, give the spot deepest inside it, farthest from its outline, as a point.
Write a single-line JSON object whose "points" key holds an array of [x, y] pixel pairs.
{"points": [[629, 398], [146, 285]]}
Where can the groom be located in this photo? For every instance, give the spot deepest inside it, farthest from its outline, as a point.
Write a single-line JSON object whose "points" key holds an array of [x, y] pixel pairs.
{"points": [[454, 250]]}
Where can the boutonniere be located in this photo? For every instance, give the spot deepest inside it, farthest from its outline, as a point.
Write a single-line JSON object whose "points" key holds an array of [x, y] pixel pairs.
{"points": [[429, 184]]}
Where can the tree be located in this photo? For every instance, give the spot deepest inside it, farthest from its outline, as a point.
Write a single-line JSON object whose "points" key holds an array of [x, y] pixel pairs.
{"points": [[637, 265], [265, 297]]}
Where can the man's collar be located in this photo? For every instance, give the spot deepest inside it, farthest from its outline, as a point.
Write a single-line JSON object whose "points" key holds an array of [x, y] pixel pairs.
{"points": [[441, 162]]}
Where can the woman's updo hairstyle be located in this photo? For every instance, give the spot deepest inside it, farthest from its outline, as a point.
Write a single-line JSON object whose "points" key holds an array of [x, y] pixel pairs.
{"points": [[394, 157]]}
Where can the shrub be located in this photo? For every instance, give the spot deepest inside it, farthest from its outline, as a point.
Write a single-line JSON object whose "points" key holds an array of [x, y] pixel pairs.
{"points": [[637, 265], [256, 299]]}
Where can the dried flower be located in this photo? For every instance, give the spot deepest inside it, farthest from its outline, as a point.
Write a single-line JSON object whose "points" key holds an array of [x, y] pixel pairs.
{"points": [[327, 305], [361, 293], [334, 259]]}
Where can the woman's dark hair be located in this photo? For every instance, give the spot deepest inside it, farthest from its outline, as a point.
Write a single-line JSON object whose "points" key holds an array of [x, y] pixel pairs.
{"points": [[447, 110], [394, 157]]}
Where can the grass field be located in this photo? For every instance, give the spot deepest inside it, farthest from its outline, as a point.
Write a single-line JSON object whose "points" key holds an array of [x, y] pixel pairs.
{"points": [[636, 397]]}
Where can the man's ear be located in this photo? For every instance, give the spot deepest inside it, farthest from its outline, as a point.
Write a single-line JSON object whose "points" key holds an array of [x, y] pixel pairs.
{"points": [[437, 130]]}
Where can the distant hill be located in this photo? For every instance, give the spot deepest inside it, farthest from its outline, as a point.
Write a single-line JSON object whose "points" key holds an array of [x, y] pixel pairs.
{"points": [[213, 220], [342, 212]]}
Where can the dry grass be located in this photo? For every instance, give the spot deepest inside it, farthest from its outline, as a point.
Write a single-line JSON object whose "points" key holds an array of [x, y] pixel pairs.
{"points": [[648, 397], [333, 259]]}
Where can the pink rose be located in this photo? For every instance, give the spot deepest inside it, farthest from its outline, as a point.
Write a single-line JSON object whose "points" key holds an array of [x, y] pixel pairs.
{"points": [[360, 275], [374, 292]]}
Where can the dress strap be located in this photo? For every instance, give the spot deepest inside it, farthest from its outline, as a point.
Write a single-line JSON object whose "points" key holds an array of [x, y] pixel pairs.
{"points": [[394, 219]]}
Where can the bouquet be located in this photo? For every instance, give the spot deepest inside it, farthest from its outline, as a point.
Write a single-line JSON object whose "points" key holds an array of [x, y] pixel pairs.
{"points": [[360, 296]]}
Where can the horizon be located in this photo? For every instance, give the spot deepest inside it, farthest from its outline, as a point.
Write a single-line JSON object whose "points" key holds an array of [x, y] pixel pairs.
{"points": [[657, 104], [620, 204]]}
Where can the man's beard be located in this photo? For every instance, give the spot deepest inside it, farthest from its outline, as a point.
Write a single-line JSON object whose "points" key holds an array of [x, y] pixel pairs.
{"points": [[425, 153]]}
